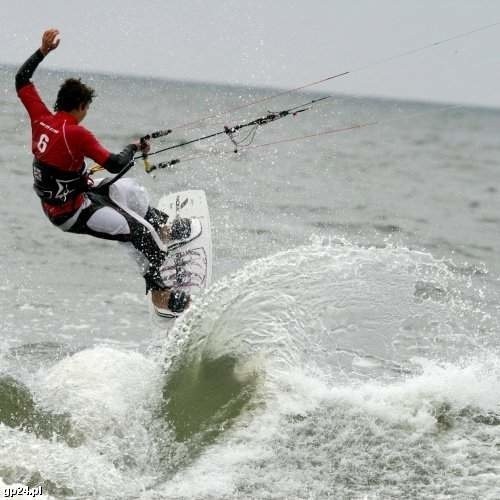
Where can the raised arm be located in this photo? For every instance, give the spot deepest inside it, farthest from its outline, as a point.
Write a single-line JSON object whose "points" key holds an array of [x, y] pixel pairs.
{"points": [[50, 41]]}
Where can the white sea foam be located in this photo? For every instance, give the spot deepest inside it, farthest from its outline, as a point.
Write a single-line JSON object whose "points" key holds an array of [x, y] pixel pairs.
{"points": [[364, 388], [368, 440], [109, 395], [401, 411]]}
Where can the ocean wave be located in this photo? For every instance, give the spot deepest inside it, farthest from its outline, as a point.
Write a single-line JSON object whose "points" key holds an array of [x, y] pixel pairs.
{"points": [[327, 369]]}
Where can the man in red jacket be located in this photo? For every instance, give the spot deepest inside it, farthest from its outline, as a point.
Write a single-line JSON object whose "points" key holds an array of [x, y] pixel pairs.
{"points": [[117, 211]]}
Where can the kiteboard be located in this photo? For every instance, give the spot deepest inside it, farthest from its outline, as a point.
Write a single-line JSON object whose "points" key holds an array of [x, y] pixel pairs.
{"points": [[188, 265]]}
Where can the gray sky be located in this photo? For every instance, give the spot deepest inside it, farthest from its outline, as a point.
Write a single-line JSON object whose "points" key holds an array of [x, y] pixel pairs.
{"points": [[282, 43]]}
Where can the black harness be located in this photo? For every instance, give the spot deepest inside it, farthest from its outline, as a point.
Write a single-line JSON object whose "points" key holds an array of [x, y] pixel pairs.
{"points": [[57, 186]]}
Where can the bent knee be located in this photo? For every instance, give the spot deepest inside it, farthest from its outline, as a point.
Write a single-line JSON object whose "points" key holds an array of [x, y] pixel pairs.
{"points": [[129, 193]]}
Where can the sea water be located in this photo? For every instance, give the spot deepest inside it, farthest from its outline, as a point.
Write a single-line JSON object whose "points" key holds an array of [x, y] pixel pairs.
{"points": [[348, 347]]}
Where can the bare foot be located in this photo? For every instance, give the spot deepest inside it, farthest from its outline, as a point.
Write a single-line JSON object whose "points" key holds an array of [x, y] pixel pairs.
{"points": [[160, 298]]}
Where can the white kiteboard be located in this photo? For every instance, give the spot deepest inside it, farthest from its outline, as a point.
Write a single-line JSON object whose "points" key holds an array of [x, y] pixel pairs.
{"points": [[188, 266]]}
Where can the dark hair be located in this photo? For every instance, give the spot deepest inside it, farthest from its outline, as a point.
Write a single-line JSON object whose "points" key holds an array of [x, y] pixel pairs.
{"points": [[73, 94]]}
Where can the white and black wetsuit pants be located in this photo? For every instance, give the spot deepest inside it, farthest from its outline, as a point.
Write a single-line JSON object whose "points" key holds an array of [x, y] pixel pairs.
{"points": [[121, 212]]}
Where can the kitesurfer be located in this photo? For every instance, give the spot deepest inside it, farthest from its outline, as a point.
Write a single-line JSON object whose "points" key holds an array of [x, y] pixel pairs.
{"points": [[72, 201]]}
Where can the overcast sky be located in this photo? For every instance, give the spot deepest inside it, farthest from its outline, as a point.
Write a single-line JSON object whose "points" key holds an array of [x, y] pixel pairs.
{"points": [[282, 43]]}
